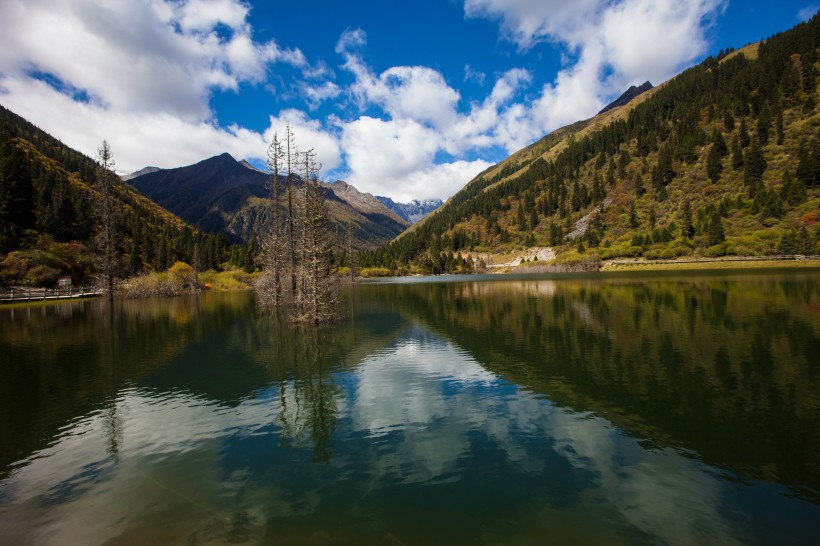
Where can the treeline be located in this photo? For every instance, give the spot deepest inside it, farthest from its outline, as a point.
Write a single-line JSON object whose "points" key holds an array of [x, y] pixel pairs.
{"points": [[722, 159], [49, 216]]}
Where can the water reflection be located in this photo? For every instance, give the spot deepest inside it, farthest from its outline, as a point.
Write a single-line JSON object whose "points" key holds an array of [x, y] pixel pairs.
{"points": [[726, 367], [675, 410]]}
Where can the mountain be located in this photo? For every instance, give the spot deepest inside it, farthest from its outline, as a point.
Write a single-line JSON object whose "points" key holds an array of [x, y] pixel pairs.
{"points": [[144, 170], [48, 203], [627, 96], [723, 159], [221, 194], [413, 211]]}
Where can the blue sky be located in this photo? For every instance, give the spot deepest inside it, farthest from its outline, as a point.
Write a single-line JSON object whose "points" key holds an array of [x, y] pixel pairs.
{"points": [[408, 99]]}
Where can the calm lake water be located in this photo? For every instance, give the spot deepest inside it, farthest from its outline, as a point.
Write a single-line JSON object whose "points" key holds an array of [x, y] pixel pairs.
{"points": [[601, 409]]}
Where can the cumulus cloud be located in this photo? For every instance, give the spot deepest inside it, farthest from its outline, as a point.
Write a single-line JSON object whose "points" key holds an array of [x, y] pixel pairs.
{"points": [[397, 158], [609, 45], [401, 156], [308, 133], [140, 74]]}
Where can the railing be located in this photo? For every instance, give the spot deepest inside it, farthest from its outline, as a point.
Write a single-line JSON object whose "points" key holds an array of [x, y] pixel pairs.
{"points": [[34, 294]]}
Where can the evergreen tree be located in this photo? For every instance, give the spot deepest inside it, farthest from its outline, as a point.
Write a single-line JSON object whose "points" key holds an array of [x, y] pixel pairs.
{"points": [[805, 166], [788, 243], [687, 228], [105, 236], [764, 123], [779, 128], [16, 196], [728, 120], [737, 154], [754, 166], [743, 134], [793, 191], [633, 217], [714, 164], [716, 232]]}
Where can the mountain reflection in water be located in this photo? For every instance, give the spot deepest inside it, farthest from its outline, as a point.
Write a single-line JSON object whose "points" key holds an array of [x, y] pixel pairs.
{"points": [[622, 409]]}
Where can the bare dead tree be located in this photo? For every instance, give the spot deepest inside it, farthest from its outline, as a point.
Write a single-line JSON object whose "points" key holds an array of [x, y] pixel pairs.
{"points": [[290, 155], [105, 235], [269, 286], [317, 290]]}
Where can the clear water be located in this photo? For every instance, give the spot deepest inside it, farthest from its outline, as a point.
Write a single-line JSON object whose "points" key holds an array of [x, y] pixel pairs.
{"points": [[620, 409]]}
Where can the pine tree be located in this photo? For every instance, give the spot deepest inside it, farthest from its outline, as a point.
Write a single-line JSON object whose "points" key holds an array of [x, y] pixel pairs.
{"points": [[737, 154], [754, 166], [687, 229], [764, 123], [16, 196], [793, 191], [714, 163], [716, 232], [781, 134], [105, 236], [805, 166], [728, 120], [743, 134]]}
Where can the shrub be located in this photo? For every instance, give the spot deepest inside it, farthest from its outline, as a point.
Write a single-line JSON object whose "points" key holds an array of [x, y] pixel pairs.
{"points": [[374, 272], [183, 275]]}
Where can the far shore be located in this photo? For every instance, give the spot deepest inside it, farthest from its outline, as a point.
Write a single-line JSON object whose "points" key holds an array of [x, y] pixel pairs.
{"points": [[739, 262]]}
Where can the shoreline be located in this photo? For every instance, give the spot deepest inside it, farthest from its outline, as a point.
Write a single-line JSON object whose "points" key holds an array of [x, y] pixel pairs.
{"points": [[735, 262]]}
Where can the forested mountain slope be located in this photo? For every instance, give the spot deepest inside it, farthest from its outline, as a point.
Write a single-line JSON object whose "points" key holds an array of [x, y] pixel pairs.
{"points": [[724, 159], [221, 194], [48, 216]]}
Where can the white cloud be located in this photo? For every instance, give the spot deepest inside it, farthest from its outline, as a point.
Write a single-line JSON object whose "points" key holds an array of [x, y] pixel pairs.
{"points": [[147, 68], [202, 15], [527, 22], [138, 56], [404, 92], [400, 157], [807, 13], [474, 75], [142, 74], [613, 45], [308, 133]]}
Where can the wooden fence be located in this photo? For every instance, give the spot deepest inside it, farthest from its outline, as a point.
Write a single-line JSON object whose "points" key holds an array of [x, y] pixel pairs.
{"points": [[8, 295]]}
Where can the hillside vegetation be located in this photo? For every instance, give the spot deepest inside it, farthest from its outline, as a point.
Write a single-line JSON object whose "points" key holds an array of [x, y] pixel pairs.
{"points": [[722, 160], [49, 205]]}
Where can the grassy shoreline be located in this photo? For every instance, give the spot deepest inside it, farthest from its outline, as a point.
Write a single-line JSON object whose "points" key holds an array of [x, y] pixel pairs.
{"points": [[710, 264]]}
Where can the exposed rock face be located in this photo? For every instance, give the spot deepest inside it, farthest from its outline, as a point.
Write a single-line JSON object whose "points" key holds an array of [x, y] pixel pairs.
{"points": [[144, 170]]}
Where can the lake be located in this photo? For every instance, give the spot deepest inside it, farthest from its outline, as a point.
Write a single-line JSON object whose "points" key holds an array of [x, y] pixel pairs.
{"points": [[654, 408]]}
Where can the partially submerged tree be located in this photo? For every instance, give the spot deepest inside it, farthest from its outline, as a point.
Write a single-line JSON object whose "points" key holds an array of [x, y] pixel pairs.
{"points": [[299, 245], [317, 289], [270, 284]]}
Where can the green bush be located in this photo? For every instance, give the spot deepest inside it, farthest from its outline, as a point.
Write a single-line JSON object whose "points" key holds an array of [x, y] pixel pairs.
{"points": [[374, 272]]}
